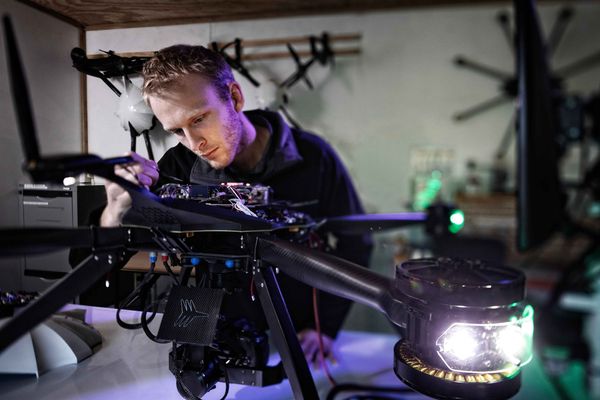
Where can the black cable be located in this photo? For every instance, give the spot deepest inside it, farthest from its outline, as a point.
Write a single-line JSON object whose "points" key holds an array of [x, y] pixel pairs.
{"points": [[145, 321], [133, 296], [132, 141], [146, 136], [127, 325], [224, 369], [170, 272]]}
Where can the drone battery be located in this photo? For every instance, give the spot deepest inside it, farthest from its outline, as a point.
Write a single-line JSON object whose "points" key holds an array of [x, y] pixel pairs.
{"points": [[191, 315]]}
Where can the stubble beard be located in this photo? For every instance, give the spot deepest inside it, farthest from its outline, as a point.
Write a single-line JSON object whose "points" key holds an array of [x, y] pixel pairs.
{"points": [[232, 138]]}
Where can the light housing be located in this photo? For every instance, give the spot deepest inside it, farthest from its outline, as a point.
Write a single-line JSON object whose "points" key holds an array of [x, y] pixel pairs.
{"points": [[468, 331]]}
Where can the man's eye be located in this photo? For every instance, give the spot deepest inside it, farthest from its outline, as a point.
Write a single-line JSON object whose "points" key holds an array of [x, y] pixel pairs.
{"points": [[199, 120], [177, 132]]}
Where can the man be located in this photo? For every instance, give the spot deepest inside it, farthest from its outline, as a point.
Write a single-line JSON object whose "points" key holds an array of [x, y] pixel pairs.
{"points": [[193, 93]]}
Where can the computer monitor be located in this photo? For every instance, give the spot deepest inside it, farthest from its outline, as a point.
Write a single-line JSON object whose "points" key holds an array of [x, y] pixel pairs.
{"points": [[540, 199]]}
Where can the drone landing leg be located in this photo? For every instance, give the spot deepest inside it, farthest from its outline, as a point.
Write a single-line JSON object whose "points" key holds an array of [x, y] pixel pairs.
{"points": [[82, 277], [284, 335]]}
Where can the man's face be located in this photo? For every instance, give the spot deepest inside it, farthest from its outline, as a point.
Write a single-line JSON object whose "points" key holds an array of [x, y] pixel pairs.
{"points": [[203, 122]]}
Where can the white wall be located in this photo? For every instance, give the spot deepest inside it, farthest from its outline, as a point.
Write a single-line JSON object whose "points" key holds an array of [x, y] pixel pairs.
{"points": [[45, 44]]}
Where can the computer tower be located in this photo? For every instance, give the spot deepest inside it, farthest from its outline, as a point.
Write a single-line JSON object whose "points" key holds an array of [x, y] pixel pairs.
{"points": [[47, 206]]}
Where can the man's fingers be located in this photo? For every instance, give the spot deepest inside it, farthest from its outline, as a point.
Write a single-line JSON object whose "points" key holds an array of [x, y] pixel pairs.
{"points": [[138, 174], [144, 180], [309, 341], [309, 347], [144, 162]]}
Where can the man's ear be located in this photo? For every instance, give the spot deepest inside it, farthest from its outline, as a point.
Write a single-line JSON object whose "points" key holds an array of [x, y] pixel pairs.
{"points": [[237, 97]]}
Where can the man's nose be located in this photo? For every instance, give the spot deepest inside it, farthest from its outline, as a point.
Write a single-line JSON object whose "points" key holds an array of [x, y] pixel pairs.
{"points": [[196, 141]]}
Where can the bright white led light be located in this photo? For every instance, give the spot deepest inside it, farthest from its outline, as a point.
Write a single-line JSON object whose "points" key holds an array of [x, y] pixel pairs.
{"points": [[460, 343], [488, 347], [69, 180], [457, 218], [512, 343]]}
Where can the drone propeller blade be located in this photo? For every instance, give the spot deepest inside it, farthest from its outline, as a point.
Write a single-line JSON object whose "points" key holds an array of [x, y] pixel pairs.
{"points": [[357, 224], [294, 54], [558, 30], [461, 61], [28, 241], [308, 82], [504, 21], [578, 66], [20, 94], [481, 107], [18, 242]]}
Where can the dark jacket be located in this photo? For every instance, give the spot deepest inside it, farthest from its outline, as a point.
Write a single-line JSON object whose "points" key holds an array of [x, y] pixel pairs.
{"points": [[301, 168]]}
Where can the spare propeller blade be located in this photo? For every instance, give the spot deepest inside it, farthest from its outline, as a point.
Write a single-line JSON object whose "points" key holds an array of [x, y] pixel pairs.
{"points": [[28, 241], [365, 223]]}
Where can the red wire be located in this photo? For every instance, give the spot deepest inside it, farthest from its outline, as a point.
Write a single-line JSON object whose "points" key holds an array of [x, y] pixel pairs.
{"points": [[252, 288], [321, 349]]}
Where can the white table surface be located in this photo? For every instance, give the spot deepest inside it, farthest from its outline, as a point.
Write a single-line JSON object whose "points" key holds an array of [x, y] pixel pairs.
{"points": [[130, 366]]}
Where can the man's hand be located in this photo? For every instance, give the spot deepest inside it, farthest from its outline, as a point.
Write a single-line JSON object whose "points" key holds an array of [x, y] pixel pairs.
{"points": [[142, 172], [309, 341]]}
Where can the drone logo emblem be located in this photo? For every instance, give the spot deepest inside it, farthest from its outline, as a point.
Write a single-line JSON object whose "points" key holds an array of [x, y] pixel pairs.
{"points": [[188, 314]]}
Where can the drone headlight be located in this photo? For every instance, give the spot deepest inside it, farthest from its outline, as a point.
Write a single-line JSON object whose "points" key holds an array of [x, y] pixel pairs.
{"points": [[467, 333], [487, 347]]}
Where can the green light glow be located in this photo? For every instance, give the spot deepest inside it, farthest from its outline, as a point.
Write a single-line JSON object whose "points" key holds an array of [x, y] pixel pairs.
{"points": [[457, 221], [425, 197], [527, 323]]}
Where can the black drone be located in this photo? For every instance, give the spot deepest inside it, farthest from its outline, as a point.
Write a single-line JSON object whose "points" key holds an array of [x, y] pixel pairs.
{"points": [[466, 330]]}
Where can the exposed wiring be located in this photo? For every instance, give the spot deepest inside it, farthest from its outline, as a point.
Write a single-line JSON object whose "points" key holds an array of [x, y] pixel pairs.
{"points": [[165, 260], [142, 294], [133, 296]]}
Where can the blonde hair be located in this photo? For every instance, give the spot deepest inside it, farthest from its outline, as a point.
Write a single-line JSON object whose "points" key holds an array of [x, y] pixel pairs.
{"points": [[171, 63]]}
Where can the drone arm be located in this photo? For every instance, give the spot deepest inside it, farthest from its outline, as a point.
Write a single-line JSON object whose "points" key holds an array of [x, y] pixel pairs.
{"points": [[83, 276], [331, 274], [110, 251]]}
